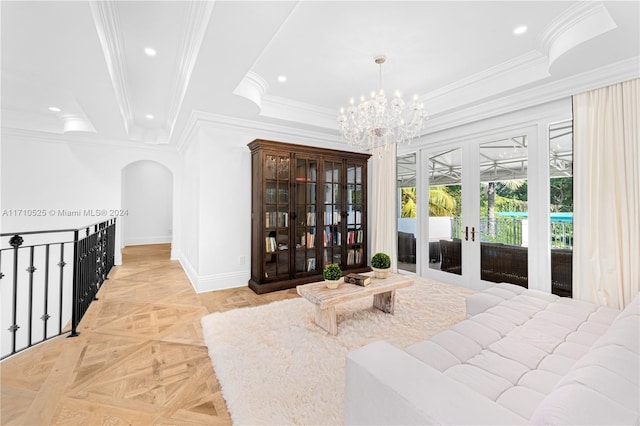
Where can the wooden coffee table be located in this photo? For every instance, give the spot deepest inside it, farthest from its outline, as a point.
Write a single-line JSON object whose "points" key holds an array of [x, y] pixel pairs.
{"points": [[325, 299]]}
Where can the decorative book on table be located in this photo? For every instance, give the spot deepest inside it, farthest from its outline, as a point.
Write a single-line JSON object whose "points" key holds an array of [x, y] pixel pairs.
{"points": [[361, 280]]}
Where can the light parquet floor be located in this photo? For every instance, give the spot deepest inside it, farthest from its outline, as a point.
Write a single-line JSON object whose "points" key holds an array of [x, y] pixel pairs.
{"points": [[140, 358]]}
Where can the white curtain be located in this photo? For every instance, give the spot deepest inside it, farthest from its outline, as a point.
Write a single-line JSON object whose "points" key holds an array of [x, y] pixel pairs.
{"points": [[606, 265], [382, 208]]}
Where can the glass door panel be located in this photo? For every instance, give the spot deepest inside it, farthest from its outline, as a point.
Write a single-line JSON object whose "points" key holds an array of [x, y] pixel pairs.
{"points": [[561, 206], [445, 211], [276, 219], [306, 217], [332, 215], [355, 228], [504, 212], [407, 211]]}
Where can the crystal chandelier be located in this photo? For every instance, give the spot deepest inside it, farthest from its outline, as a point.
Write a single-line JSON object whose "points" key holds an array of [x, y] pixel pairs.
{"points": [[376, 122]]}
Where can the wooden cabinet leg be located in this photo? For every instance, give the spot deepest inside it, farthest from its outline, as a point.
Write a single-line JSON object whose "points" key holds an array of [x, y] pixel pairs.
{"points": [[326, 318], [385, 301]]}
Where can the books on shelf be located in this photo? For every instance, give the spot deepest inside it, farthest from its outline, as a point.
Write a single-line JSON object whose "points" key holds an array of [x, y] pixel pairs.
{"points": [[355, 237], [354, 256], [308, 239], [361, 280], [273, 219], [354, 217], [331, 218], [331, 238], [271, 244], [311, 219], [331, 257], [311, 264]]}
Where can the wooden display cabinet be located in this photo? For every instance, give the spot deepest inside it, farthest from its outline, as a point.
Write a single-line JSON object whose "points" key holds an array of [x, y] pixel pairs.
{"points": [[308, 208]]}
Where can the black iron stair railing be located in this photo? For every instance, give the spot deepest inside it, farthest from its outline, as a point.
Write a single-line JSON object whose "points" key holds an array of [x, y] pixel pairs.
{"points": [[38, 295]]}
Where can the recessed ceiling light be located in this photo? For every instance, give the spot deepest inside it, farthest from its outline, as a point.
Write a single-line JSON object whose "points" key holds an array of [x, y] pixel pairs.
{"points": [[520, 30], [282, 78], [149, 116], [54, 109], [150, 51]]}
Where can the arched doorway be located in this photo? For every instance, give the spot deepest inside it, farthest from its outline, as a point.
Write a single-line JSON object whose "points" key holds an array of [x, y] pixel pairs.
{"points": [[147, 200]]}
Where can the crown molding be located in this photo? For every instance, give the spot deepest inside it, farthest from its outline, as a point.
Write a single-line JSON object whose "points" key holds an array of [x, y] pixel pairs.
{"points": [[610, 74], [202, 120], [514, 73], [577, 24], [252, 87], [84, 139], [198, 16], [58, 123], [299, 112], [22, 120], [77, 123], [526, 60], [255, 88], [106, 21], [189, 131]]}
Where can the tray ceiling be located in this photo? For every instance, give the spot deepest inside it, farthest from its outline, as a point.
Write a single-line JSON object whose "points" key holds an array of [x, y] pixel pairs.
{"points": [[224, 58]]}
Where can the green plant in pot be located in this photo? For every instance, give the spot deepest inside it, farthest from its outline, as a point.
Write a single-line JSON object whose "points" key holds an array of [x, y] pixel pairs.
{"points": [[332, 275], [381, 265]]}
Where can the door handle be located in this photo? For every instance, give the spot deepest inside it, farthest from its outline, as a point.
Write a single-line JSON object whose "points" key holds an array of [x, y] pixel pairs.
{"points": [[473, 233], [466, 233]]}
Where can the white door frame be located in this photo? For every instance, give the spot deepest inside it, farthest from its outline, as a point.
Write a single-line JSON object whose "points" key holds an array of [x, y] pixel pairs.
{"points": [[537, 178]]}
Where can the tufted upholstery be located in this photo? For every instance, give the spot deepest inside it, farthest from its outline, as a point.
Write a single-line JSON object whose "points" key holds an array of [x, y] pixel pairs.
{"points": [[533, 357], [601, 387], [517, 349]]}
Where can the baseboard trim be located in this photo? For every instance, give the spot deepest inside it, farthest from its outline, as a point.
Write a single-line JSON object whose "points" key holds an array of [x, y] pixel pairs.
{"points": [[222, 281], [141, 241], [188, 269], [212, 282]]}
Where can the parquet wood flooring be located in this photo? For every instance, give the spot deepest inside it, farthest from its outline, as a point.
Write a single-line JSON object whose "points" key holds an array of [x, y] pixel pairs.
{"points": [[140, 358]]}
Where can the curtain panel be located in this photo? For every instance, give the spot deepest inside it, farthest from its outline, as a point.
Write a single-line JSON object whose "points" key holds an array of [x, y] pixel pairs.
{"points": [[382, 209], [606, 265]]}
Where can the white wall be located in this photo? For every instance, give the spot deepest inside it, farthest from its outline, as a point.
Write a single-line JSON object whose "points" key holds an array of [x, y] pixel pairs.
{"points": [[440, 228], [74, 182], [188, 245], [216, 202], [147, 203], [64, 181], [225, 208]]}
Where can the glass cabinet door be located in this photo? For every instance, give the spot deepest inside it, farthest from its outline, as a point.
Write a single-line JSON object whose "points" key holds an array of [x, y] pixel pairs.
{"points": [[306, 240], [355, 208], [332, 214], [276, 220]]}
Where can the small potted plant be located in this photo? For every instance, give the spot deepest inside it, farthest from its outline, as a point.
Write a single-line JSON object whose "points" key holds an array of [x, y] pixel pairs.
{"points": [[332, 275], [381, 265]]}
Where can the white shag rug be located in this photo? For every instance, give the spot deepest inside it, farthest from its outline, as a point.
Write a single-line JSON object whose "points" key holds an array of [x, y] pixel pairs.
{"points": [[276, 366]]}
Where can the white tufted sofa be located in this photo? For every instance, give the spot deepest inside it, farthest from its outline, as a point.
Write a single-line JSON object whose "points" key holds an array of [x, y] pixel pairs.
{"points": [[522, 356]]}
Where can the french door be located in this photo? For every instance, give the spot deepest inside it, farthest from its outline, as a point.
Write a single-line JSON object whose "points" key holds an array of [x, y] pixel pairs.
{"points": [[476, 222]]}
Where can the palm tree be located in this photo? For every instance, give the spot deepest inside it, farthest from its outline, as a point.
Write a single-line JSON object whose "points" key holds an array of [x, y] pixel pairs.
{"points": [[441, 203], [408, 202], [491, 215], [491, 201]]}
